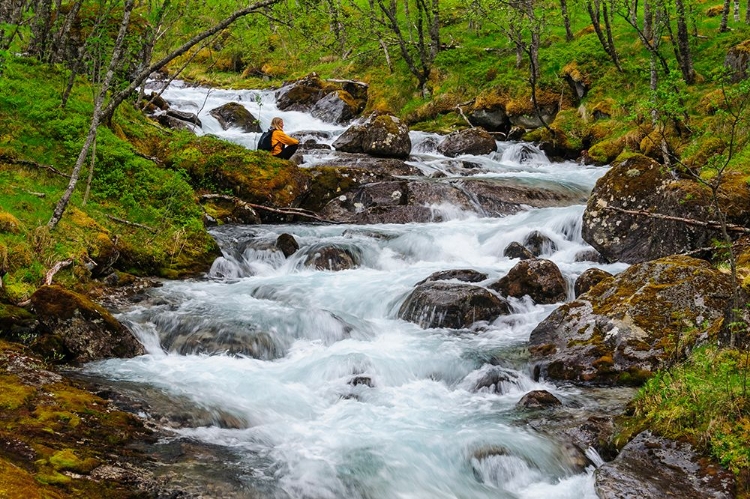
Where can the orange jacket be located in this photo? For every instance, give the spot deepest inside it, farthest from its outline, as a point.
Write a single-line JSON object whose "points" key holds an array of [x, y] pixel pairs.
{"points": [[279, 139]]}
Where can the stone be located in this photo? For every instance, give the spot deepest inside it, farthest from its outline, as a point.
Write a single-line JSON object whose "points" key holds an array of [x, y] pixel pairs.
{"points": [[616, 221], [647, 316], [235, 115], [652, 467], [538, 278], [451, 305], [77, 330], [538, 399], [517, 250], [475, 141], [287, 244], [588, 279], [381, 134]]}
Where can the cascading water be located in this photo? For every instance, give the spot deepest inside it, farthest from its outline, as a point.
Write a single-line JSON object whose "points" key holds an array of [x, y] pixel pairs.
{"points": [[312, 383]]}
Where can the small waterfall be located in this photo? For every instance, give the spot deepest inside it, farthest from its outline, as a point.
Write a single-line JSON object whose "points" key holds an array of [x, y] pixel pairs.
{"points": [[524, 153]]}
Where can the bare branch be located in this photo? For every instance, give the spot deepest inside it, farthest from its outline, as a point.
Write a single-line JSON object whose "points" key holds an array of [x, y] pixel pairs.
{"points": [[55, 269], [132, 224], [282, 211], [690, 221]]}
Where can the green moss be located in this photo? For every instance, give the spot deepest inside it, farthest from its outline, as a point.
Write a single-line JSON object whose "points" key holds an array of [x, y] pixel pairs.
{"points": [[14, 394], [67, 460]]}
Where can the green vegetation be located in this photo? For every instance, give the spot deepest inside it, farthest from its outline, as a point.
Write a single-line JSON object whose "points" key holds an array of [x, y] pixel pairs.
{"points": [[705, 400]]}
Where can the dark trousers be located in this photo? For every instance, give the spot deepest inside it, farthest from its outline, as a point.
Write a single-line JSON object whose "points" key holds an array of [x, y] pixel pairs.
{"points": [[287, 152]]}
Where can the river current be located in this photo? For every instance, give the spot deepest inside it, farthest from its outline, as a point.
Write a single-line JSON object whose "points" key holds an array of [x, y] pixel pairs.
{"points": [[309, 382]]}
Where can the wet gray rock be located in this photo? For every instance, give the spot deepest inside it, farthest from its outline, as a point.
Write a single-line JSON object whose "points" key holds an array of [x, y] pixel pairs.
{"points": [[451, 305], [235, 115], [287, 244], [621, 335], [517, 250], [652, 467], [218, 341], [337, 101], [381, 135], [331, 258], [184, 116], [641, 184], [417, 199], [538, 399], [539, 244], [336, 107], [474, 141], [496, 379], [492, 119], [538, 278], [588, 279], [463, 275]]}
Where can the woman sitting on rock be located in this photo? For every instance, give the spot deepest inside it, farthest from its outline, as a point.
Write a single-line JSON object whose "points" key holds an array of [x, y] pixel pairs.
{"points": [[283, 146]]}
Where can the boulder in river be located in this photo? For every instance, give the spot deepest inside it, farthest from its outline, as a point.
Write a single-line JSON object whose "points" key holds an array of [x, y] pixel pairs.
{"points": [[381, 135], [474, 141], [77, 330], [538, 278], [234, 114], [617, 219], [451, 305], [644, 318]]}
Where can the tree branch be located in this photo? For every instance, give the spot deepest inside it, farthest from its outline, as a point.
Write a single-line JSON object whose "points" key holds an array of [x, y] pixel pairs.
{"points": [[282, 211], [689, 221], [132, 224]]}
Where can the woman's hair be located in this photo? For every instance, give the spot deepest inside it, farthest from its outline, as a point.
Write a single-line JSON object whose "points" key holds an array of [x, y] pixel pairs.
{"points": [[277, 123]]}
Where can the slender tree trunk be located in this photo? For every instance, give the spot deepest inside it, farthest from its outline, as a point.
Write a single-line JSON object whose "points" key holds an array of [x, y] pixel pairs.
{"points": [[117, 51], [610, 38], [566, 20], [737, 11], [683, 41], [648, 20], [725, 17], [593, 10]]}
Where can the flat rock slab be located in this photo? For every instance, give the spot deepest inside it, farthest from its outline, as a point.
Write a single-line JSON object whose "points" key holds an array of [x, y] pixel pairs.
{"points": [[652, 467]]}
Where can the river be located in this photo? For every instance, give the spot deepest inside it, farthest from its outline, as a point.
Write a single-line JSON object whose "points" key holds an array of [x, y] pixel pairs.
{"points": [[309, 383]]}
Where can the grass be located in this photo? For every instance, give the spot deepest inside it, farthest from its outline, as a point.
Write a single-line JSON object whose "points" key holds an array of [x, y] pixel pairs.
{"points": [[706, 401]]}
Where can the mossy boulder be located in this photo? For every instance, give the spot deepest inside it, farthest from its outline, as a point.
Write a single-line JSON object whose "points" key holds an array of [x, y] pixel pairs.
{"points": [[489, 113], [738, 61], [235, 115], [382, 135], [337, 101], [626, 328], [522, 112], [616, 221], [75, 329], [476, 141], [578, 81], [9, 223]]}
